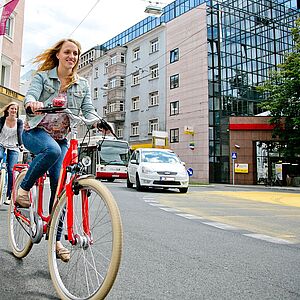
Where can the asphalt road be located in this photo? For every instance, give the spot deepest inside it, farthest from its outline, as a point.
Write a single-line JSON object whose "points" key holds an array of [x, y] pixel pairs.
{"points": [[212, 243]]}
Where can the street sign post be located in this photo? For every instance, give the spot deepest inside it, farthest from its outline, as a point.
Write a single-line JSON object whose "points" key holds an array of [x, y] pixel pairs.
{"points": [[233, 157]]}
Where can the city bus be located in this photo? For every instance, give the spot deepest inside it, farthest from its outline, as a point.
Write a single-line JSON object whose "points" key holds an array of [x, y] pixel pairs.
{"points": [[109, 156]]}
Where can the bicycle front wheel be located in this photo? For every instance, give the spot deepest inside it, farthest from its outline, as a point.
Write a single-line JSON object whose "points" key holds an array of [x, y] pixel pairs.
{"points": [[94, 261], [2, 185], [18, 228]]}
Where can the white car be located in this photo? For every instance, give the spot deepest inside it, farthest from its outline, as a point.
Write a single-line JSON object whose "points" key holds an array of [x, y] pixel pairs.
{"points": [[156, 168]]}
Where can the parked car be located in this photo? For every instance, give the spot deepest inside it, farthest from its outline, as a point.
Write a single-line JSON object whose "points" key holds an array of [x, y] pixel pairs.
{"points": [[156, 168]]}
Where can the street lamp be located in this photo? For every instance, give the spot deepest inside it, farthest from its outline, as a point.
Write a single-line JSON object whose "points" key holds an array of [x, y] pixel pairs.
{"points": [[154, 9]]}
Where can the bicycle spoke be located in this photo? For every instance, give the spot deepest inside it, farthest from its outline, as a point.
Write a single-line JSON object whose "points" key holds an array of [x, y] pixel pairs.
{"points": [[95, 259]]}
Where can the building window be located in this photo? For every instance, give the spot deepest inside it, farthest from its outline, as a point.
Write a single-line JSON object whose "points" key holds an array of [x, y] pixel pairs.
{"points": [[113, 59], [122, 58], [174, 81], [105, 67], [104, 111], [153, 71], [135, 78], [153, 125], [116, 82], [174, 55], [154, 45], [135, 103], [96, 72], [9, 27], [174, 108], [134, 129], [122, 81], [112, 107], [121, 106], [174, 135], [113, 83], [95, 93], [153, 98], [5, 74], [120, 132], [136, 53]]}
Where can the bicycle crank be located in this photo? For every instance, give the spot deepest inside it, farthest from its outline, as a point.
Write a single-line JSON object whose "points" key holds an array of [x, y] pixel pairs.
{"points": [[36, 224]]}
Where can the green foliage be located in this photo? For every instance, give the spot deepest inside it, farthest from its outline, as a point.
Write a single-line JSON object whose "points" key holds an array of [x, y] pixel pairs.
{"points": [[282, 94]]}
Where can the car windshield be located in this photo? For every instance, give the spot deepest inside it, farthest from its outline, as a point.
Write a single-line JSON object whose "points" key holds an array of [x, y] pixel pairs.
{"points": [[114, 153], [160, 157]]}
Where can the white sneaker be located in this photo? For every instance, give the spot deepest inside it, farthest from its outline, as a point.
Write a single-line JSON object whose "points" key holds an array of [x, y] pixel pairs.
{"points": [[7, 201]]}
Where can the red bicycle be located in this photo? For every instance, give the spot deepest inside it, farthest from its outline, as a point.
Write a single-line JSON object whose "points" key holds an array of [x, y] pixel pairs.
{"points": [[87, 217]]}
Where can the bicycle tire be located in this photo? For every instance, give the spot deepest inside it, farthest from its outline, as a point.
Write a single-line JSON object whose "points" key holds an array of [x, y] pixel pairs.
{"points": [[2, 183], [19, 239], [97, 265]]}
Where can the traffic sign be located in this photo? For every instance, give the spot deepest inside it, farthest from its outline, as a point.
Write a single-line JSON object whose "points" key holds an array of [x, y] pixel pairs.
{"points": [[233, 155], [190, 171]]}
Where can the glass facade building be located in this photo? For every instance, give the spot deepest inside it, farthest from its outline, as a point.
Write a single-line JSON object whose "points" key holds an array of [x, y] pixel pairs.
{"points": [[246, 39]]}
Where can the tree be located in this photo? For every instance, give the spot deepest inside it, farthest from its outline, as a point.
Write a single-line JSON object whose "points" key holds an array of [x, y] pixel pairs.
{"points": [[282, 94]]}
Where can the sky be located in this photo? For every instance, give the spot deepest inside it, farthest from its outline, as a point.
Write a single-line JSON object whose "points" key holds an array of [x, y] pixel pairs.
{"points": [[46, 22]]}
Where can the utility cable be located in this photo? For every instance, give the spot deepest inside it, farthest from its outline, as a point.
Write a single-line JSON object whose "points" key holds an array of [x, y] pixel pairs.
{"points": [[85, 17]]}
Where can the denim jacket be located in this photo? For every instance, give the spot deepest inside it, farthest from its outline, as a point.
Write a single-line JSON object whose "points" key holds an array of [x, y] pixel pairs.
{"points": [[45, 87]]}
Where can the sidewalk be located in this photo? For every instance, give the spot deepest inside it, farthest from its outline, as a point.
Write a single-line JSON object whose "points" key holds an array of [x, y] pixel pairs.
{"points": [[259, 186]]}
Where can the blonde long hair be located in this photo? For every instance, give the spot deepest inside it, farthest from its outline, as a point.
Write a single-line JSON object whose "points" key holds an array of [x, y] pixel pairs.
{"points": [[5, 109], [48, 59]]}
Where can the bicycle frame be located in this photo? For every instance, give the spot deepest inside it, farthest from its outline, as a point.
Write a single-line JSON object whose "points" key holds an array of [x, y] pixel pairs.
{"points": [[64, 185]]}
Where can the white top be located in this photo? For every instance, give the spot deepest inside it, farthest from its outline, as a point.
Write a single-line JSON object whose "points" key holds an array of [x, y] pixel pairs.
{"points": [[9, 137]]}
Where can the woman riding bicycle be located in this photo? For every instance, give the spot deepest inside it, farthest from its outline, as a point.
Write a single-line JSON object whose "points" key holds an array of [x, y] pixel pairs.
{"points": [[11, 128], [45, 134]]}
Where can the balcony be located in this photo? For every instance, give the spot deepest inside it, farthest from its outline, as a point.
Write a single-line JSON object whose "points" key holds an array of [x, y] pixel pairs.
{"points": [[117, 93], [117, 69], [115, 116]]}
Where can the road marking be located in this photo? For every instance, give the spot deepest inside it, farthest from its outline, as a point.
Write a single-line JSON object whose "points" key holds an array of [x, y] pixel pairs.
{"points": [[267, 238], [221, 225], [190, 217], [169, 209], [151, 201]]}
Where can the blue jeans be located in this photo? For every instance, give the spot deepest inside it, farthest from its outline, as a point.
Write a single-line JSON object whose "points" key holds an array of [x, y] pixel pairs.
{"points": [[11, 159], [49, 155]]}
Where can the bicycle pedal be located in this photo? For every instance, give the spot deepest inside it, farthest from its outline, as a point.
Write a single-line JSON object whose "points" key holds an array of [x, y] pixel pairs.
{"points": [[24, 211]]}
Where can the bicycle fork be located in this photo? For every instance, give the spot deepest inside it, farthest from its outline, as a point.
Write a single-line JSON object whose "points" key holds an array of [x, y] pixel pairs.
{"points": [[84, 240]]}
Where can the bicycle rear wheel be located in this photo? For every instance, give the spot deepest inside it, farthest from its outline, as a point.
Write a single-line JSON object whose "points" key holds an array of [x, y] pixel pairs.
{"points": [[18, 229], [2, 186], [93, 265]]}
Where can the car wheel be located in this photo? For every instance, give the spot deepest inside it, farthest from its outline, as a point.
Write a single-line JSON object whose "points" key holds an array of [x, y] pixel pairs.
{"points": [[129, 184], [183, 190], [138, 184]]}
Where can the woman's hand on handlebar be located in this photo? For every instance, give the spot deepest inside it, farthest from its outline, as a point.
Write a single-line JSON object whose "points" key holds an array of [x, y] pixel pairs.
{"points": [[34, 105], [105, 127]]}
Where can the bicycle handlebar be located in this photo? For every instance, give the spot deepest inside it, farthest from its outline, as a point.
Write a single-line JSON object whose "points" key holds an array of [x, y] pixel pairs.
{"points": [[101, 123]]}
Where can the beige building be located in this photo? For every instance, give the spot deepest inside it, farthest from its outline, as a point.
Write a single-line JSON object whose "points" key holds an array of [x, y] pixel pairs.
{"points": [[11, 50], [187, 106]]}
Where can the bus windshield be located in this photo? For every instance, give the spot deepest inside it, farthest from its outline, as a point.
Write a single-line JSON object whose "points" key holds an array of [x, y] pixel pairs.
{"points": [[114, 153]]}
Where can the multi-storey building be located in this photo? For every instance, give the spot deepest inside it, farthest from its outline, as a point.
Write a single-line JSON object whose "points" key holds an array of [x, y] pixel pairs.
{"points": [[187, 71], [10, 61]]}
